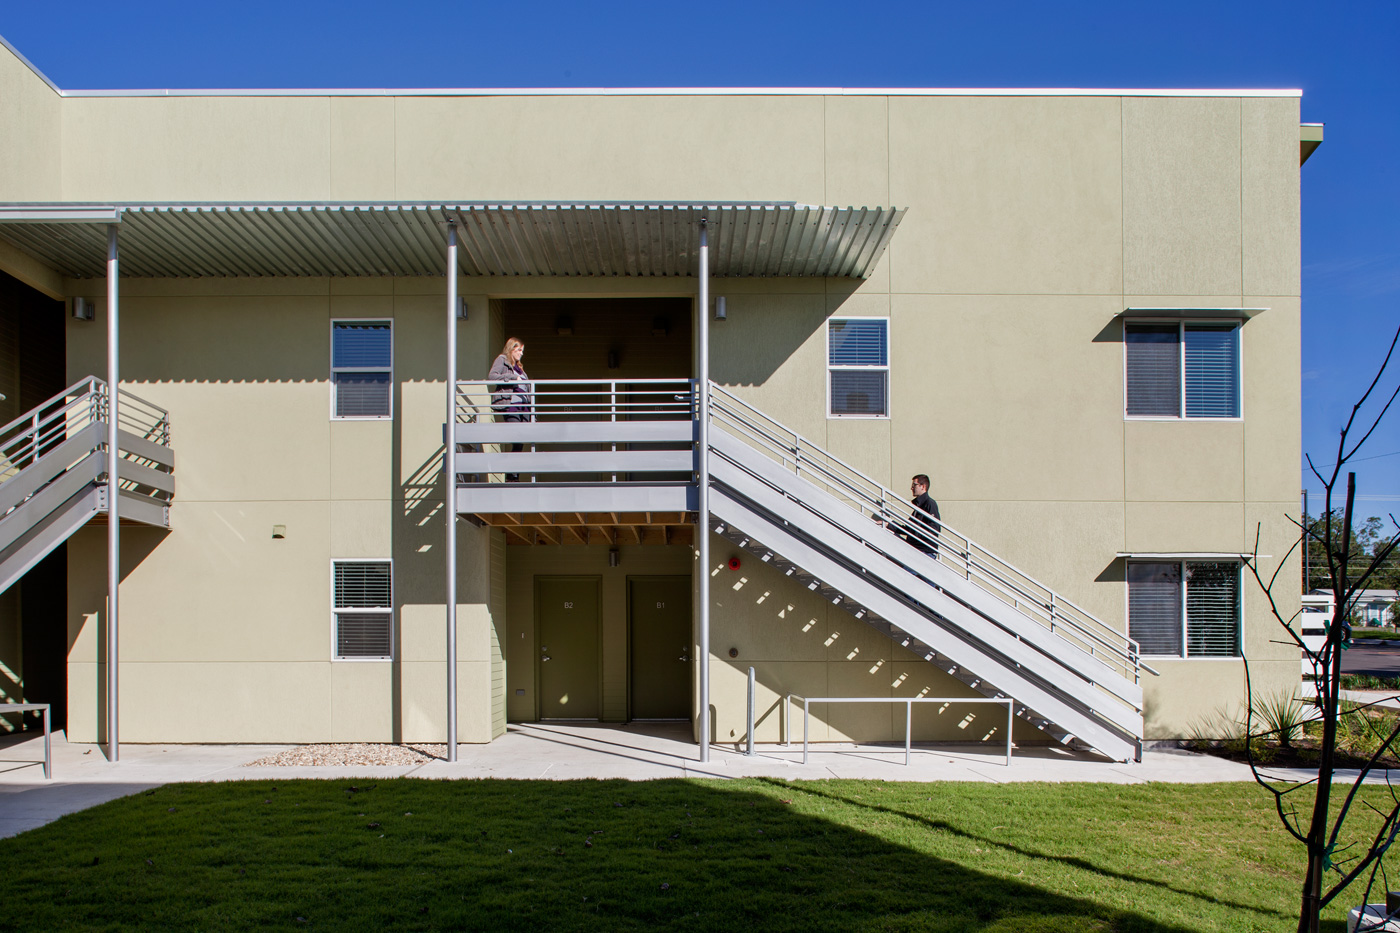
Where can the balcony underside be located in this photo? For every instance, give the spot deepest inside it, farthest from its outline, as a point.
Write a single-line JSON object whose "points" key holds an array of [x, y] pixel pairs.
{"points": [[593, 528]]}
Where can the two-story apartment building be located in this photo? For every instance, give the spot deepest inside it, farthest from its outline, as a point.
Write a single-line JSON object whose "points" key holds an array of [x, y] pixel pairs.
{"points": [[1077, 312]]}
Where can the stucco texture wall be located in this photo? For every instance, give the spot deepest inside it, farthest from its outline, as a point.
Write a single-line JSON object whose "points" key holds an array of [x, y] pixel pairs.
{"points": [[1032, 223]]}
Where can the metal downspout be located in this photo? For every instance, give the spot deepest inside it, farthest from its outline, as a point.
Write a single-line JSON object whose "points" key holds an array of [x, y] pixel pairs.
{"points": [[702, 526], [113, 495], [450, 487]]}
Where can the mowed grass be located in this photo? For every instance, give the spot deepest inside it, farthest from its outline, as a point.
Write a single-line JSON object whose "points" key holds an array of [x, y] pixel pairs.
{"points": [[751, 855]]}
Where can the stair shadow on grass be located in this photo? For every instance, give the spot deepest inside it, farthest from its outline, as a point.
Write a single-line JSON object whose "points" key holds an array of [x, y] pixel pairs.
{"points": [[1076, 862], [405, 854]]}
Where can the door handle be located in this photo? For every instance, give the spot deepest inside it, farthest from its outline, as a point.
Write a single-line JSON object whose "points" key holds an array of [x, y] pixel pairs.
{"points": [[545, 658]]}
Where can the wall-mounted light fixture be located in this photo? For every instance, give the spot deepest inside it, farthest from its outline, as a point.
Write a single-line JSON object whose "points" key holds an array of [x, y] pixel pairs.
{"points": [[82, 309], [563, 325], [279, 531], [660, 327], [612, 359], [721, 312], [614, 557], [461, 309]]}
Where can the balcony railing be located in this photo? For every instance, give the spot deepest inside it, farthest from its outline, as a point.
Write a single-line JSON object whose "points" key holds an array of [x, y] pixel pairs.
{"points": [[576, 439]]}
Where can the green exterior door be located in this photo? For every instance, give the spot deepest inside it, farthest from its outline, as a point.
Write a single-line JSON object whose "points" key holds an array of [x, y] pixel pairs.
{"points": [[566, 610], [659, 612]]}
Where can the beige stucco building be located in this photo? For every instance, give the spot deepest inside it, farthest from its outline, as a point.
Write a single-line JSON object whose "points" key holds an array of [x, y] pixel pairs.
{"points": [[1079, 315]]}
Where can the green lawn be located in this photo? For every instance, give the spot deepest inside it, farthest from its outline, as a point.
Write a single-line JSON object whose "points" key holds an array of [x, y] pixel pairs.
{"points": [[751, 855]]}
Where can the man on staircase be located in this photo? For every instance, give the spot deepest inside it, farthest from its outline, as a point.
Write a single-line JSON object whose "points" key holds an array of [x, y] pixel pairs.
{"points": [[923, 531]]}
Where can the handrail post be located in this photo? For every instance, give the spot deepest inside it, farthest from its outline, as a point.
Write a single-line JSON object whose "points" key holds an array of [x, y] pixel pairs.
{"points": [[908, 728], [749, 752]]}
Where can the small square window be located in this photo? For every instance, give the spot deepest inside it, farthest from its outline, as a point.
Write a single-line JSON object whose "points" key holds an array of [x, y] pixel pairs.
{"points": [[362, 371], [858, 367], [1181, 370], [363, 611]]}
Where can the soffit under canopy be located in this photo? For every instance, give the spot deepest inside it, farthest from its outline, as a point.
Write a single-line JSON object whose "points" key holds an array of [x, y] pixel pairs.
{"points": [[186, 240]]}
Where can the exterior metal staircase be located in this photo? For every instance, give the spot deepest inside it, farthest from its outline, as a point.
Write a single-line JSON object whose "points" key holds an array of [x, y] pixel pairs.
{"points": [[53, 471], [951, 602], [608, 447]]}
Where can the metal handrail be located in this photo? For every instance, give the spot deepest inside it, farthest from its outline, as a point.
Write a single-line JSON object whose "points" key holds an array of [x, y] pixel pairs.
{"points": [[1029, 596], [585, 399], [75, 408]]}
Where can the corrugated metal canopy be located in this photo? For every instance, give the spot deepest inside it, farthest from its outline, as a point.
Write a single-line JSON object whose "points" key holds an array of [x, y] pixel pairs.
{"points": [[506, 239]]}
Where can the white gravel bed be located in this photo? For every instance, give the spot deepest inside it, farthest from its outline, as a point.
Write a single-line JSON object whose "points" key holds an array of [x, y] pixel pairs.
{"points": [[352, 754]]}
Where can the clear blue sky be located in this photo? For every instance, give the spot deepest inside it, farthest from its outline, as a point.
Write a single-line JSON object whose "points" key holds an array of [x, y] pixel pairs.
{"points": [[1344, 56]]}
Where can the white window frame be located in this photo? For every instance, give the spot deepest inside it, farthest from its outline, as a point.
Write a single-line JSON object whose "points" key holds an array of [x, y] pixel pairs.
{"points": [[1182, 323], [362, 369], [889, 394], [335, 611], [1182, 562]]}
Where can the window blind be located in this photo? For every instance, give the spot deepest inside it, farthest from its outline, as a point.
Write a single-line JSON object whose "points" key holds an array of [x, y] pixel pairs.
{"points": [[859, 392], [362, 585], [356, 344], [858, 343], [1212, 371], [1212, 610], [363, 635], [362, 395], [1154, 607], [1153, 361]]}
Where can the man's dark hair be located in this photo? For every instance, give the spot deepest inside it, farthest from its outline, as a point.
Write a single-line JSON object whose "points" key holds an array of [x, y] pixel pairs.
{"points": [[922, 479]]}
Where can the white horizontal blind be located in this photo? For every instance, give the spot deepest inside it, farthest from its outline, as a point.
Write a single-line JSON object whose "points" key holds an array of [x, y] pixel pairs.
{"points": [[1212, 610], [1212, 364], [362, 368], [1154, 607], [858, 361], [363, 613], [1153, 362]]}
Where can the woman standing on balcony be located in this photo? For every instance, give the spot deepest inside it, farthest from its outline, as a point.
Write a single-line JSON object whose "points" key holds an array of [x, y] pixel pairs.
{"points": [[510, 396]]}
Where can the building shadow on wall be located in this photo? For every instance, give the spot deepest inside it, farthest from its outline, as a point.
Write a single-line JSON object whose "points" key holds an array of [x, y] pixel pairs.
{"points": [[748, 352]]}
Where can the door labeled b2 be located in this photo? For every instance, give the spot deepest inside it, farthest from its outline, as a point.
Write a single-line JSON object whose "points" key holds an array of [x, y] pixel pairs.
{"points": [[659, 615], [566, 614]]}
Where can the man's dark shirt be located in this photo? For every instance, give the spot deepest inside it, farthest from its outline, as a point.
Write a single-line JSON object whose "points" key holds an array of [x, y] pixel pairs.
{"points": [[926, 518]]}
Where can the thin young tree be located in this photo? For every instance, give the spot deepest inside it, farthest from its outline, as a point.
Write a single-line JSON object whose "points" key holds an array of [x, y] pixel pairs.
{"points": [[1332, 863]]}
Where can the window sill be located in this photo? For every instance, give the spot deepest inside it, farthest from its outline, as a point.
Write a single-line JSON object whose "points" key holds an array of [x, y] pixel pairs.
{"points": [[1168, 418], [362, 417], [831, 417]]}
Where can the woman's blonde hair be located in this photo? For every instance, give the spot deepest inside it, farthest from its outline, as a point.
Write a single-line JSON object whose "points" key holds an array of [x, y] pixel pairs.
{"points": [[511, 344]]}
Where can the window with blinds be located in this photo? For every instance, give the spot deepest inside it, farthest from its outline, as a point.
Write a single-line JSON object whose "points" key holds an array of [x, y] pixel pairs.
{"points": [[363, 611], [858, 367], [1185, 609], [362, 371], [1182, 370]]}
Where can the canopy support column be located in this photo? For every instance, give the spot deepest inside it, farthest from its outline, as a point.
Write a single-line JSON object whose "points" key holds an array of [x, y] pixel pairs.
{"points": [[450, 491], [702, 527], [113, 494]]}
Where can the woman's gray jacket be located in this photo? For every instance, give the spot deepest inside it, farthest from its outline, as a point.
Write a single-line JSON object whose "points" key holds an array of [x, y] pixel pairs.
{"points": [[510, 390]]}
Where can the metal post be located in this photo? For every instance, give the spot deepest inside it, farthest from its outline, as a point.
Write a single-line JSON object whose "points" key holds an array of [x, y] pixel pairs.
{"points": [[702, 526], [450, 487], [806, 721], [113, 494], [749, 753], [1008, 731], [908, 729]]}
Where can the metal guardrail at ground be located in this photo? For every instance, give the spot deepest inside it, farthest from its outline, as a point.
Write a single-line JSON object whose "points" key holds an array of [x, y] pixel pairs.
{"points": [[908, 715]]}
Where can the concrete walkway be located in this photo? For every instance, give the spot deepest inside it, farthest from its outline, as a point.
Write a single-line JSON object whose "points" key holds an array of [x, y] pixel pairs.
{"points": [[83, 777]]}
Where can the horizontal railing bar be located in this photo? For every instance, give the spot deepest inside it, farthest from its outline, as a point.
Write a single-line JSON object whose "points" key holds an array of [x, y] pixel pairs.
{"points": [[74, 389]]}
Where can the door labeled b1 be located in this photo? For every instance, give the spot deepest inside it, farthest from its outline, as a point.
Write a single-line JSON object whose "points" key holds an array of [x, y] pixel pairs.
{"points": [[659, 616], [567, 612]]}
